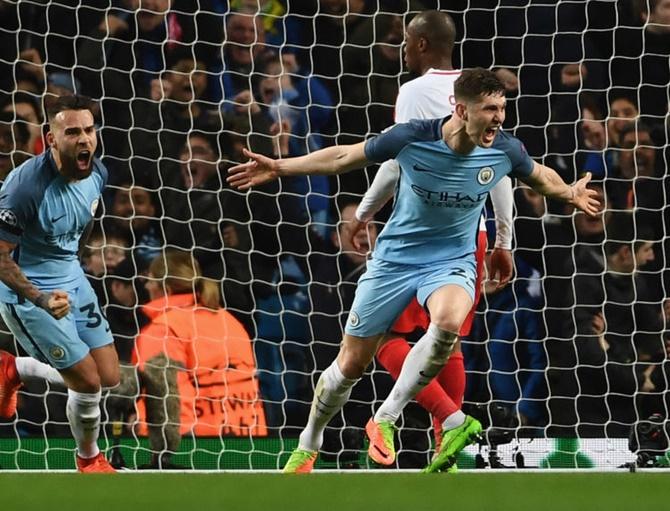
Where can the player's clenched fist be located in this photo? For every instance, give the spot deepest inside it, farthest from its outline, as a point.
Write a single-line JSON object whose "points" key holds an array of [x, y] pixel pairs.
{"points": [[56, 303]]}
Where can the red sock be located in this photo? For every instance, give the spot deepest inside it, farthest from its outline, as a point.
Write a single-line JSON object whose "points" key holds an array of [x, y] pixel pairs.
{"points": [[452, 378], [433, 398]]}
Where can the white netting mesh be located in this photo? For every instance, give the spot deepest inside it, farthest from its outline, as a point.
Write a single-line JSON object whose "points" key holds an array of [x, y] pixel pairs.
{"points": [[575, 348]]}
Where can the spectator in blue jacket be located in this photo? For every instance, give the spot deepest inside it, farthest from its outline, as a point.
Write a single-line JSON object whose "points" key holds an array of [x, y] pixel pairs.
{"points": [[511, 366]]}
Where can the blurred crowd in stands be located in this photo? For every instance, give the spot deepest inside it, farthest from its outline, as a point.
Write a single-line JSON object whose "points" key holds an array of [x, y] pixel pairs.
{"points": [[577, 344]]}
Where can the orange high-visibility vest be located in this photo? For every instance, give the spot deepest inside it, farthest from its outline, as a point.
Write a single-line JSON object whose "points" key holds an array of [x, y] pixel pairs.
{"points": [[217, 385]]}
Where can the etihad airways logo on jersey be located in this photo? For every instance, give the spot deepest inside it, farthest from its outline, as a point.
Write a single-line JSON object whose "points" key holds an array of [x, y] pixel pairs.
{"points": [[450, 199]]}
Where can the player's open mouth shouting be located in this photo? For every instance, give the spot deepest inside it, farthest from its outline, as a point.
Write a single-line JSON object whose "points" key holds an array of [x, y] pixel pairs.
{"points": [[84, 157], [489, 134]]}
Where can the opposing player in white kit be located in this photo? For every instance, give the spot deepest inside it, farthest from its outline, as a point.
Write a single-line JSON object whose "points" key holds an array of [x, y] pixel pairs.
{"points": [[448, 167], [429, 44]]}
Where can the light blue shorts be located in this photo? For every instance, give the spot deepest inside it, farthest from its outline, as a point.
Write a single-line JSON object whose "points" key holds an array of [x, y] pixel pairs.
{"points": [[60, 342], [385, 289]]}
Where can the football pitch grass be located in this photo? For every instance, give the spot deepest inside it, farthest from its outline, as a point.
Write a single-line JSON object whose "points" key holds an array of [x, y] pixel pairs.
{"points": [[488, 491]]}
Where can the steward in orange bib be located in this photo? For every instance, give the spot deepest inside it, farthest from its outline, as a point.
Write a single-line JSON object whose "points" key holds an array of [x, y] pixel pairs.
{"points": [[195, 360]]}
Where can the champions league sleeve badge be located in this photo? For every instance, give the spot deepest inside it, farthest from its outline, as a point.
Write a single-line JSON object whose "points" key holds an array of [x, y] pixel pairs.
{"points": [[7, 216]]}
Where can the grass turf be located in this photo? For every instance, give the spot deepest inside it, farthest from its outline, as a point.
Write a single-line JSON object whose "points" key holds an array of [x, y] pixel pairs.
{"points": [[348, 492]]}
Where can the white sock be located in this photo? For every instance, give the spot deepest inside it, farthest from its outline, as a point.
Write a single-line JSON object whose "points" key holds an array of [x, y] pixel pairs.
{"points": [[83, 413], [424, 361], [453, 421], [331, 393], [29, 368]]}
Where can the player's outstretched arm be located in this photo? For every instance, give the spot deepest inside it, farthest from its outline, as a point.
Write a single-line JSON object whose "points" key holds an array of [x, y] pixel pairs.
{"points": [[331, 160], [56, 303], [546, 181]]}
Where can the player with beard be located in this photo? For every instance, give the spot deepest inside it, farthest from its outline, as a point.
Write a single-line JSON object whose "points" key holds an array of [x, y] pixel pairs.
{"points": [[46, 301]]}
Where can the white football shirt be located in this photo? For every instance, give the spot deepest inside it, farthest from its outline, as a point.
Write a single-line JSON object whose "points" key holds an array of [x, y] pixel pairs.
{"points": [[427, 97]]}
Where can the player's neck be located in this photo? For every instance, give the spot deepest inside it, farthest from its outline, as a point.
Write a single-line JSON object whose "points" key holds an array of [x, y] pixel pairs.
{"points": [[57, 160], [441, 63], [456, 137]]}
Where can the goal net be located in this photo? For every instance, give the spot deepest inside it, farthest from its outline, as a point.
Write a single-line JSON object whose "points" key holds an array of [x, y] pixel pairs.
{"points": [[560, 366]]}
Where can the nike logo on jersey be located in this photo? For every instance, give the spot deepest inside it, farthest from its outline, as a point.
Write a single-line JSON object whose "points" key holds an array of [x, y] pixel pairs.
{"points": [[55, 219]]}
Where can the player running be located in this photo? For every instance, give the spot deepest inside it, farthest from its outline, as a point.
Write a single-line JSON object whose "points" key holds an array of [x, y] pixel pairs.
{"points": [[429, 44], [448, 167], [45, 299]]}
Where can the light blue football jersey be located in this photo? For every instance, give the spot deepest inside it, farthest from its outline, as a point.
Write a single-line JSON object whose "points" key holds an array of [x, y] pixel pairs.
{"points": [[441, 193], [45, 216]]}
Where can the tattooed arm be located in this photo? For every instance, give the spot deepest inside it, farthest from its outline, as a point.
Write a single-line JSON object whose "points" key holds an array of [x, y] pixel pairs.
{"points": [[55, 303]]}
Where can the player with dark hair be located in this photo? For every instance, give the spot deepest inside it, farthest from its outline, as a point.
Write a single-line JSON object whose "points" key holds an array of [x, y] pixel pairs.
{"points": [[448, 167], [429, 44], [46, 205]]}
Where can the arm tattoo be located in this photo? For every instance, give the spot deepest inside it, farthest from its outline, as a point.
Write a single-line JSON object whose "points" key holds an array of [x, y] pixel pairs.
{"points": [[42, 301], [12, 276]]}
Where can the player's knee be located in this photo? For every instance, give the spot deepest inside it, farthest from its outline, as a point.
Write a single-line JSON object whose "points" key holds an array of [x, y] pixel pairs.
{"points": [[355, 356], [352, 363], [449, 314], [86, 383], [110, 379], [447, 322], [352, 368], [110, 382]]}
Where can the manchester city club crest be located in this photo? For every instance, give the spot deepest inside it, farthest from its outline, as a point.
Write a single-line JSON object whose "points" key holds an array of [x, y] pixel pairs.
{"points": [[485, 175], [57, 352], [353, 319], [94, 206]]}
